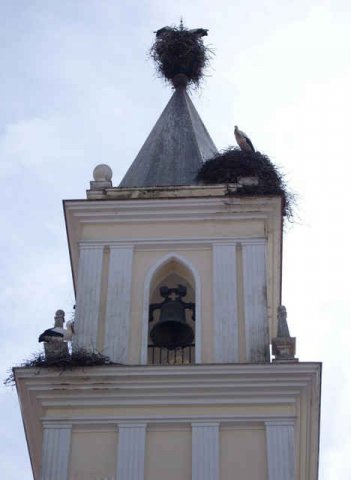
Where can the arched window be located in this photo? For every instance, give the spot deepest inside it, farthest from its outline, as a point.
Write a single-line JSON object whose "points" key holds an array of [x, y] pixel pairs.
{"points": [[171, 310]]}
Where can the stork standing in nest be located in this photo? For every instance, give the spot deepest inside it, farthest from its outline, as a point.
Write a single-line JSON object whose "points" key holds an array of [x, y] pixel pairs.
{"points": [[243, 140]]}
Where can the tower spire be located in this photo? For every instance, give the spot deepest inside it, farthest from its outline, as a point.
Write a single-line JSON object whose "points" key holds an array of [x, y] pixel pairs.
{"points": [[179, 142]]}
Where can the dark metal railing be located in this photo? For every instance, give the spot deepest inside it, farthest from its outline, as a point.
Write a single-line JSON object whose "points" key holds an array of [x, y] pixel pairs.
{"points": [[177, 356]]}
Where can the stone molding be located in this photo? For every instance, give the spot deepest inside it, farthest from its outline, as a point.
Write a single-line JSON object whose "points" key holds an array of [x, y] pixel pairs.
{"points": [[293, 387]]}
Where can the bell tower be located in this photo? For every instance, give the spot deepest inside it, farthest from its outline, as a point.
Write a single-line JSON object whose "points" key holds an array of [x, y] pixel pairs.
{"points": [[177, 275]]}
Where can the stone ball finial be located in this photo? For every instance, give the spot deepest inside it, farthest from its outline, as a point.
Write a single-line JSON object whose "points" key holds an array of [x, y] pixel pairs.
{"points": [[102, 173]]}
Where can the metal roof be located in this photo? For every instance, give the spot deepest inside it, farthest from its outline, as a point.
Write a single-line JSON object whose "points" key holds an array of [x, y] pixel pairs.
{"points": [[175, 149]]}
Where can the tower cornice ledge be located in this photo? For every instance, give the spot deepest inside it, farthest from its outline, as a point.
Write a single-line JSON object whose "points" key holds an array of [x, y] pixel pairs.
{"points": [[231, 394]]}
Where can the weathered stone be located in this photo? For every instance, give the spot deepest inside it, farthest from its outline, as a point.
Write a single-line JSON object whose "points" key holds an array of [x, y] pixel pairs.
{"points": [[102, 177], [284, 348], [55, 350]]}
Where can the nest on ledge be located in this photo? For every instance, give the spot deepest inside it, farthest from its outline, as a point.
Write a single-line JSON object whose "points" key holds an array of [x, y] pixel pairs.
{"points": [[233, 163], [180, 51], [78, 358]]}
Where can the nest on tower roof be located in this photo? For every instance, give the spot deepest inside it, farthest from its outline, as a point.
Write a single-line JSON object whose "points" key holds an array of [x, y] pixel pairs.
{"points": [[232, 164], [178, 50]]}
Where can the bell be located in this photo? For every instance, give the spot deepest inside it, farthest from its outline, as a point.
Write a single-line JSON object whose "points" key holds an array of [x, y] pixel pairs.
{"points": [[172, 331]]}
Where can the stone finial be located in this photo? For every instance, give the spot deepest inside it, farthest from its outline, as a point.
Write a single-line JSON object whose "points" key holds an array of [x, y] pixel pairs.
{"points": [[283, 329], [283, 346], [59, 318], [102, 177]]}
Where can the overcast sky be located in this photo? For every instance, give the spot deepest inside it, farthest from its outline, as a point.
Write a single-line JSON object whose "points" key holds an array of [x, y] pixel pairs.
{"points": [[77, 89]]}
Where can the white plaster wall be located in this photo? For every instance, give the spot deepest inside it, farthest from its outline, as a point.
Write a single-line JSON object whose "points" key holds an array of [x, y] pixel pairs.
{"points": [[243, 454], [122, 329], [93, 454], [168, 454]]}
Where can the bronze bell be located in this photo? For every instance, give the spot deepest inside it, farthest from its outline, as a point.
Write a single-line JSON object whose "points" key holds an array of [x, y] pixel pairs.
{"points": [[172, 331]]}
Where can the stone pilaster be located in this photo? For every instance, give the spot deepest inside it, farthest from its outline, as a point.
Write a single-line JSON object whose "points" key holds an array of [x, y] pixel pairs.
{"points": [[55, 452], [225, 315], [255, 303], [205, 451], [131, 452], [280, 437], [88, 297], [118, 304]]}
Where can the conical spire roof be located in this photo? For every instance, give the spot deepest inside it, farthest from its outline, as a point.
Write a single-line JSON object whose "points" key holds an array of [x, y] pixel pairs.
{"points": [[175, 149]]}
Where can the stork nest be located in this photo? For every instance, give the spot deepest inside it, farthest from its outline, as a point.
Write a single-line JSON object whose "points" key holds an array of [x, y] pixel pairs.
{"points": [[233, 163], [78, 358], [180, 51]]}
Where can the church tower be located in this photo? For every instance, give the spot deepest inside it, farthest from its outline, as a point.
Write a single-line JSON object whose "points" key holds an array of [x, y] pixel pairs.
{"points": [[178, 283]]}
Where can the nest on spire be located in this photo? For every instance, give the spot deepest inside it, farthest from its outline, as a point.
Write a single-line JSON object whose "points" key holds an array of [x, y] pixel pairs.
{"points": [[179, 50], [233, 163]]}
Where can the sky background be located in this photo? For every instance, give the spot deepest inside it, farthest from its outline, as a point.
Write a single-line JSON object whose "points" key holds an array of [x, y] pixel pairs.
{"points": [[78, 89]]}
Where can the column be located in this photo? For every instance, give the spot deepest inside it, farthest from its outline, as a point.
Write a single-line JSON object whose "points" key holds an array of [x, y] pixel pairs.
{"points": [[280, 438], [205, 451], [88, 296], [255, 303], [117, 320], [225, 304], [55, 452], [131, 452]]}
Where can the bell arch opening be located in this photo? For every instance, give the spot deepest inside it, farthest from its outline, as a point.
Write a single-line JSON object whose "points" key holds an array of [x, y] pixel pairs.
{"points": [[171, 332]]}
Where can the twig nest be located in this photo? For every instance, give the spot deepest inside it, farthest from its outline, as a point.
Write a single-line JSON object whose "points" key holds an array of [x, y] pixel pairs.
{"points": [[232, 164], [178, 50]]}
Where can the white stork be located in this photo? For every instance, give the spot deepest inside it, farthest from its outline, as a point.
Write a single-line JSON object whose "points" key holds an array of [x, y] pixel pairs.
{"points": [[199, 32], [58, 333], [243, 140], [163, 30]]}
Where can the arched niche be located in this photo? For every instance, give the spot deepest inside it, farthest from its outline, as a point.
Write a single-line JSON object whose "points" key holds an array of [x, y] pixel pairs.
{"points": [[171, 271]]}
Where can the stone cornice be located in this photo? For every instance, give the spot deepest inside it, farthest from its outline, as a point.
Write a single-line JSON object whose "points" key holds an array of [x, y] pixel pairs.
{"points": [[230, 394], [171, 209], [149, 385]]}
